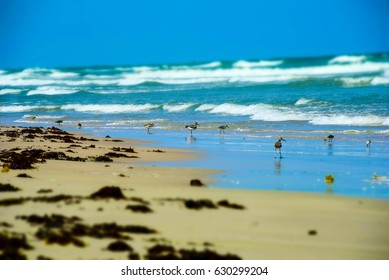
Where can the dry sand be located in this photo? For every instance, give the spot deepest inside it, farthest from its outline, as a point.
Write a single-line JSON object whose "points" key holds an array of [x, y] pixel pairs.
{"points": [[271, 225]]}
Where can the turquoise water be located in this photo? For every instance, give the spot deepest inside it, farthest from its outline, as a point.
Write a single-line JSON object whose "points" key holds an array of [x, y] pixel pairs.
{"points": [[303, 100]]}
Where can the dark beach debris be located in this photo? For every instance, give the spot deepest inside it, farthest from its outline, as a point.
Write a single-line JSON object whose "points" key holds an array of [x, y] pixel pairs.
{"points": [[139, 200], [156, 151], [88, 139], [196, 183], [26, 158], [199, 204], [13, 240], [312, 232], [8, 188], [101, 159], [5, 224], [117, 140], [108, 192], [133, 256], [49, 221], [58, 236], [12, 254], [68, 199], [56, 130], [226, 203], [63, 139], [119, 246], [11, 201], [162, 252], [116, 155], [167, 252], [139, 208], [206, 255], [121, 149], [32, 130], [23, 175], [45, 191], [43, 258]]}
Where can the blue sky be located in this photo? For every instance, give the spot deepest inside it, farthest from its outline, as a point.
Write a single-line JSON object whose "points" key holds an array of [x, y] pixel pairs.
{"points": [[38, 33]]}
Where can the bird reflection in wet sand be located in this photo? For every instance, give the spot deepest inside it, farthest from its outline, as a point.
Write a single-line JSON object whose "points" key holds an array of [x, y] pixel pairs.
{"points": [[190, 139], [277, 167]]}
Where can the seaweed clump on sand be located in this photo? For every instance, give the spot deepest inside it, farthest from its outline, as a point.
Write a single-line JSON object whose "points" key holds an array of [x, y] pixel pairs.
{"points": [[119, 246], [196, 183], [11, 244], [227, 204], [108, 192], [167, 252], [26, 158], [139, 208], [101, 159], [199, 204], [8, 188]]}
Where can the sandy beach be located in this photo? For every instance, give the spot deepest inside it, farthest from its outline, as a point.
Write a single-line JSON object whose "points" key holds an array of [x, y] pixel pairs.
{"points": [[83, 197]]}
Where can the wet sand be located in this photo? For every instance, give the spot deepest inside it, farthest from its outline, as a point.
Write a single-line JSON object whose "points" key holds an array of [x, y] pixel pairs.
{"points": [[153, 212]]}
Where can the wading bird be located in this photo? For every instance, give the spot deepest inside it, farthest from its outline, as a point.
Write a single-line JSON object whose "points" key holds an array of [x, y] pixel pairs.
{"points": [[368, 142], [59, 122], [223, 128], [148, 126], [191, 127], [79, 125], [278, 146], [330, 138]]}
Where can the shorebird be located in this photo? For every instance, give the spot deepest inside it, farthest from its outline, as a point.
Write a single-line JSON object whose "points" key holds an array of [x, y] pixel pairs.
{"points": [[79, 125], [33, 117], [278, 146], [330, 138], [191, 127], [59, 122], [368, 142], [148, 126], [222, 128]]}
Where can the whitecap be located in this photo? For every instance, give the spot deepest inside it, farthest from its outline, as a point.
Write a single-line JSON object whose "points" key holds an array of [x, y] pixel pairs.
{"points": [[368, 120], [352, 82], [23, 108], [253, 64], [205, 107], [51, 91], [348, 59], [303, 101], [10, 91], [178, 107], [380, 81], [110, 108]]}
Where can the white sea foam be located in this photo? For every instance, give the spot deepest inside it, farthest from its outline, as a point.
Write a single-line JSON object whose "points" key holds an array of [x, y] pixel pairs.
{"points": [[348, 59], [303, 101], [205, 107], [46, 90], [380, 81], [368, 120], [10, 91], [23, 108], [352, 82], [243, 71], [62, 75], [177, 108], [110, 108], [254, 64]]}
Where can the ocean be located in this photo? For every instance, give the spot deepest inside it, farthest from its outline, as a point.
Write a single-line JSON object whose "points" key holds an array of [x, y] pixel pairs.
{"points": [[301, 99]]}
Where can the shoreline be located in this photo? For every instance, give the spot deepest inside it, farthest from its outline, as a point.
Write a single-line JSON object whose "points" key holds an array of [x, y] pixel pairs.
{"points": [[208, 222]]}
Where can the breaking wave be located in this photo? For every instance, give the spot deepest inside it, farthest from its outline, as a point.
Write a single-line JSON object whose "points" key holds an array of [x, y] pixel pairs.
{"points": [[110, 108]]}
